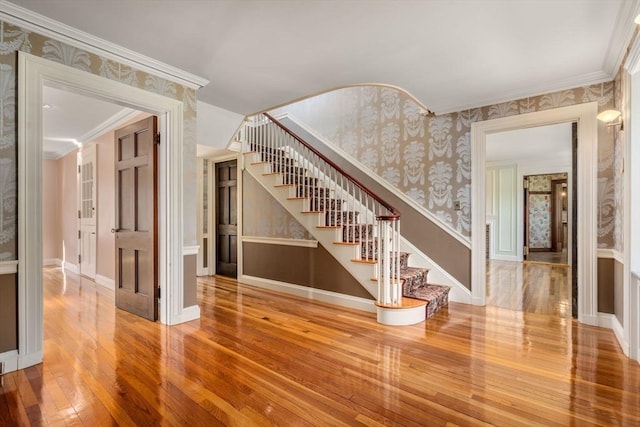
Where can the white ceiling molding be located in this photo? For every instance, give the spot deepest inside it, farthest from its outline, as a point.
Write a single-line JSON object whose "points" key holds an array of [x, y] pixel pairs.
{"points": [[530, 92], [47, 27], [624, 30], [113, 122]]}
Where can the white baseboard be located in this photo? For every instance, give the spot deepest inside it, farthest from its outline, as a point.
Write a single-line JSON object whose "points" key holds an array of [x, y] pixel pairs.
{"points": [[10, 360], [310, 293], [589, 320], [72, 268], [610, 321], [30, 359], [188, 314], [105, 281], [52, 262]]}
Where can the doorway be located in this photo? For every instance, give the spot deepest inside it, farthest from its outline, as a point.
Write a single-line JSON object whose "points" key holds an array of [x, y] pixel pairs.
{"points": [[226, 188], [546, 218], [33, 74], [585, 174]]}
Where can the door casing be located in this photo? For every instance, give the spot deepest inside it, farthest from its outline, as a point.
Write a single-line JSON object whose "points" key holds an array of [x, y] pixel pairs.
{"points": [[33, 73]]}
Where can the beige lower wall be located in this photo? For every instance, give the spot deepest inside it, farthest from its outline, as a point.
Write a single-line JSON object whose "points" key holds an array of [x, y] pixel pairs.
{"points": [[8, 312], [51, 206], [606, 285], [68, 181], [190, 290], [311, 267], [449, 253]]}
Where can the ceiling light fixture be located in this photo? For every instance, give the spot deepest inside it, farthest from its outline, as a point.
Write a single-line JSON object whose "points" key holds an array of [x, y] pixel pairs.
{"points": [[637, 20], [45, 106], [609, 117]]}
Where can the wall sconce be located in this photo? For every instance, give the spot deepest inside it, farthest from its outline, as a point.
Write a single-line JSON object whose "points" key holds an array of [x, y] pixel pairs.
{"points": [[609, 117]]}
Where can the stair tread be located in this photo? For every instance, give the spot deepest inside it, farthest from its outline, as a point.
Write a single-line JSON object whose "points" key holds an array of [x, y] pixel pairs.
{"points": [[345, 243], [405, 303], [364, 261]]}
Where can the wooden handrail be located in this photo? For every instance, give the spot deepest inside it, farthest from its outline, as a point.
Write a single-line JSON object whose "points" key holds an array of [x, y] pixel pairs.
{"points": [[395, 214]]}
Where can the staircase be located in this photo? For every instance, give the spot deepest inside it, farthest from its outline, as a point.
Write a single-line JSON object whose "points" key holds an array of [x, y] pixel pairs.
{"points": [[358, 228]]}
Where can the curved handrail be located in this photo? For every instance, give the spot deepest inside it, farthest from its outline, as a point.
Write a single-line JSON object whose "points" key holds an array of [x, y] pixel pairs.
{"points": [[395, 214]]}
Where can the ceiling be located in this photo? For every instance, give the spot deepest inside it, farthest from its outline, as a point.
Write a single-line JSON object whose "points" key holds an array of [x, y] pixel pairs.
{"points": [[450, 54], [550, 145], [70, 119]]}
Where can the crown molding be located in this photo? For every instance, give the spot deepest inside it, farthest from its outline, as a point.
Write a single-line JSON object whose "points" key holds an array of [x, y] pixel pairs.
{"points": [[632, 64], [47, 27], [121, 117], [624, 30], [530, 92]]}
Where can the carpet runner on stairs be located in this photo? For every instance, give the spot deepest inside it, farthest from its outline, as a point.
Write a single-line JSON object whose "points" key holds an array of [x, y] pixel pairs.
{"points": [[414, 279]]}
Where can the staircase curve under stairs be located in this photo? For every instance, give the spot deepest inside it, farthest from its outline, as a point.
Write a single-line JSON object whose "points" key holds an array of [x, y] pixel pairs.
{"points": [[356, 227]]}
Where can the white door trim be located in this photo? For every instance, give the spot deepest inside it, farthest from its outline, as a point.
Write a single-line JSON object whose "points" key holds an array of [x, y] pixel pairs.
{"points": [[585, 116], [33, 74]]}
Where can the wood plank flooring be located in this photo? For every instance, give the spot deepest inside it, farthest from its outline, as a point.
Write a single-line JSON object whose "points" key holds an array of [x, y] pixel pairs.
{"points": [[263, 358], [530, 286]]}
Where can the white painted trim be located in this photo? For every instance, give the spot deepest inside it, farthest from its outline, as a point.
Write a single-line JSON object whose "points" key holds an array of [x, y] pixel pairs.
{"points": [[305, 243], [10, 359], [611, 254], [188, 314], [585, 116], [71, 268], [48, 27], [311, 293], [607, 320], [113, 122], [190, 250], [437, 274], [623, 31], [105, 281], [529, 92], [33, 74], [52, 262], [8, 267], [396, 192], [401, 316]]}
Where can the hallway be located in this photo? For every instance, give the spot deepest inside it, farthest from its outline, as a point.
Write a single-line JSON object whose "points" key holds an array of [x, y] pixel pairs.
{"points": [[531, 287], [264, 358]]}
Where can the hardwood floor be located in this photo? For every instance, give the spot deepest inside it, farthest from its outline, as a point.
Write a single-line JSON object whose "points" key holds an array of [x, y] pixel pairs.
{"points": [[531, 287], [552, 257], [262, 358]]}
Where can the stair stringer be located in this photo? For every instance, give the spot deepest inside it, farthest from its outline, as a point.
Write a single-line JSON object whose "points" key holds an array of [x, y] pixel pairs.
{"points": [[326, 236], [437, 275]]}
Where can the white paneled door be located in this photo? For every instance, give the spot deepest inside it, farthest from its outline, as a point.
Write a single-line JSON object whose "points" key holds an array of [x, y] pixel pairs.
{"points": [[87, 211]]}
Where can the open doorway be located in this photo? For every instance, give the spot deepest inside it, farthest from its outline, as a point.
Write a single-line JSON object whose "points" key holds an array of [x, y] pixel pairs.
{"points": [[525, 173], [584, 303]]}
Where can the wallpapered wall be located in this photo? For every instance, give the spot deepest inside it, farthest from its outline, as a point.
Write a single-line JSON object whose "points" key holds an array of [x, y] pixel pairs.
{"points": [[13, 39], [540, 210], [264, 216], [428, 158]]}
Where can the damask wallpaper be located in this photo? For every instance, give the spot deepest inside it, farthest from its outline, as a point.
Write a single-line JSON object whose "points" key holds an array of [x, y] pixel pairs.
{"points": [[428, 157], [540, 210], [13, 39], [540, 221], [264, 216]]}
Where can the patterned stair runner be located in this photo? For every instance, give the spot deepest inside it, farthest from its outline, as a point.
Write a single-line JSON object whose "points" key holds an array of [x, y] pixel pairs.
{"points": [[414, 279]]}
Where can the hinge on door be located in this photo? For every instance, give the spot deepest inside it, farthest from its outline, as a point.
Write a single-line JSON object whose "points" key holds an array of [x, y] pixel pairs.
{"points": [[78, 213], [159, 293], [79, 234], [79, 259], [158, 139], [526, 183], [526, 250]]}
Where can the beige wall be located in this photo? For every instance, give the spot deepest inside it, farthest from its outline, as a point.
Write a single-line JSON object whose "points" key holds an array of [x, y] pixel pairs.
{"points": [[67, 179], [51, 206]]}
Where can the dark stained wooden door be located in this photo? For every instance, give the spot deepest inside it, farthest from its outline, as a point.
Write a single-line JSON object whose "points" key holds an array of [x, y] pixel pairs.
{"points": [[136, 218], [226, 219], [525, 249]]}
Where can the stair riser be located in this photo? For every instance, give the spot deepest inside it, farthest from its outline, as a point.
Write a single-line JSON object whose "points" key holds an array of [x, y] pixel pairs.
{"points": [[327, 204], [357, 233], [340, 218], [310, 191]]}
